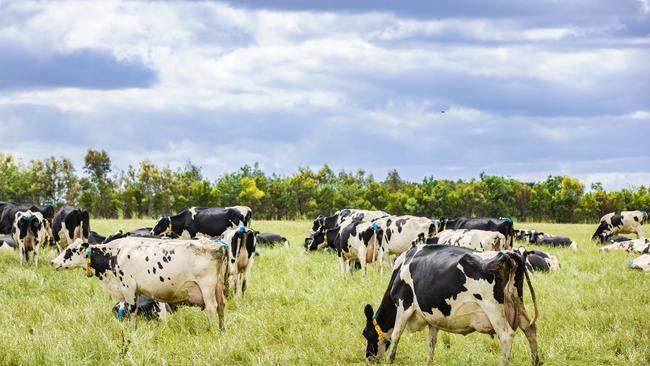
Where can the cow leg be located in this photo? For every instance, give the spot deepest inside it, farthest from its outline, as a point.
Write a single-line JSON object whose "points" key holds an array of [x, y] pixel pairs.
{"points": [[380, 255], [497, 317], [431, 341], [400, 324], [237, 283], [247, 274], [530, 330], [362, 259], [36, 255], [221, 308], [343, 266], [210, 299]]}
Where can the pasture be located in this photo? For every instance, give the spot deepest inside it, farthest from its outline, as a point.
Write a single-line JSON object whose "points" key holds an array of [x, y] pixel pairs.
{"points": [[299, 311]]}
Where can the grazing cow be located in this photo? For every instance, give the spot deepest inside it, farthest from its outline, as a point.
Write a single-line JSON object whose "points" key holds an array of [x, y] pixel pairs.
{"points": [[176, 271], [242, 245], [7, 243], [617, 239], [325, 238], [456, 290], [552, 240], [631, 246], [478, 240], [359, 241], [246, 212], [539, 261], [70, 224], [399, 233], [642, 263], [329, 222], [503, 225], [147, 307], [8, 214], [29, 233], [625, 222], [198, 220], [271, 239]]}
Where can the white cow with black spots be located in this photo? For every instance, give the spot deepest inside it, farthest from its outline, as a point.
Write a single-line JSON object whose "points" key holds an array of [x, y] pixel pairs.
{"points": [[359, 241], [170, 271], [642, 263], [631, 246], [399, 233], [478, 240]]}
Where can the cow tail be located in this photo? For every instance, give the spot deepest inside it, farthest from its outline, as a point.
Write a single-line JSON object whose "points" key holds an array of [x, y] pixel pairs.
{"points": [[226, 271], [532, 294]]}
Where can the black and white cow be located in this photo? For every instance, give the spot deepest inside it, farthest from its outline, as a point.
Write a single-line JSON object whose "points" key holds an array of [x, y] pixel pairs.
{"points": [[271, 239], [641, 263], [246, 212], [631, 246], [456, 290], [522, 235], [147, 307], [539, 261], [325, 238], [29, 233], [361, 242], [543, 239], [242, 244], [503, 225], [617, 239], [69, 224], [176, 271], [7, 243], [8, 214], [329, 222], [625, 222], [478, 240], [211, 222], [399, 233]]}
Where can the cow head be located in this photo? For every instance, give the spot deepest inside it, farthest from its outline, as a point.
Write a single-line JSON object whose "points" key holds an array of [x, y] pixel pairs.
{"points": [[443, 223], [74, 256], [161, 226], [321, 239], [318, 222], [377, 341], [602, 232]]}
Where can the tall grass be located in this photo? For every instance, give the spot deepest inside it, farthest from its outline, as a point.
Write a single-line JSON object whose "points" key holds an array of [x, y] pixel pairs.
{"points": [[298, 310]]}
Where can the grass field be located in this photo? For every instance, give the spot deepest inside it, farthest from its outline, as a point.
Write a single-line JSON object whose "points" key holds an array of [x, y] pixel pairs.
{"points": [[299, 311]]}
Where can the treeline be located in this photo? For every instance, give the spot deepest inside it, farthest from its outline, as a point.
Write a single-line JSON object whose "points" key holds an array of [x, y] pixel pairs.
{"points": [[151, 191]]}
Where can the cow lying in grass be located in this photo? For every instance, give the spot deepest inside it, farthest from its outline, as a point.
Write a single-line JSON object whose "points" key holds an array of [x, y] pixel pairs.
{"points": [[456, 290], [478, 240], [170, 271], [624, 222], [642, 263], [631, 246]]}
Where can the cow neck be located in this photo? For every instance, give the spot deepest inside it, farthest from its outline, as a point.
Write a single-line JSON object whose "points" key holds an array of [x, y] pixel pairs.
{"points": [[177, 223], [385, 315], [329, 237]]}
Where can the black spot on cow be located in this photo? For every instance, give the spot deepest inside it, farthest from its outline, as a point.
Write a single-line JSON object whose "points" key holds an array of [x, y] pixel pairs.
{"points": [[400, 223], [617, 220], [149, 271], [478, 296], [154, 270], [164, 259], [160, 265], [121, 272], [128, 256], [161, 279], [146, 258], [102, 261], [636, 218]]}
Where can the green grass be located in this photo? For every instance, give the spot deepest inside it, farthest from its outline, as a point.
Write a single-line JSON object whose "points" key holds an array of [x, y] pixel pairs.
{"points": [[299, 311]]}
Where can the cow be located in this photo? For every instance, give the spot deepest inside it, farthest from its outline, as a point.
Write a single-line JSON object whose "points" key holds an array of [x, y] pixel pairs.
{"points": [[8, 214], [540, 238], [631, 246], [7, 243], [246, 212], [456, 290], [399, 233], [29, 233], [539, 261], [503, 225], [522, 235], [271, 239], [242, 244], [478, 240], [360, 241], [211, 222], [176, 271], [147, 307], [624, 222], [325, 238], [95, 238], [69, 224], [642, 263], [329, 222], [617, 239]]}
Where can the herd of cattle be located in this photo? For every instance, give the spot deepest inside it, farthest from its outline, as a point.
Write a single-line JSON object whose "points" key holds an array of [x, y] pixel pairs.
{"points": [[458, 275]]}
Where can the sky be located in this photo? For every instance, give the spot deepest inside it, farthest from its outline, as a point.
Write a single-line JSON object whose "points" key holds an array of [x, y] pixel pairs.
{"points": [[443, 89]]}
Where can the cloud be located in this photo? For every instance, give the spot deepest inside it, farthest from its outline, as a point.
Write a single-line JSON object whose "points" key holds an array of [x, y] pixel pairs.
{"points": [[526, 91]]}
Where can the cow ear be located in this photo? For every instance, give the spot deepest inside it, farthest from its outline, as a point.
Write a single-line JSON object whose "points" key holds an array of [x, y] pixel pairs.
{"points": [[85, 245], [369, 312]]}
